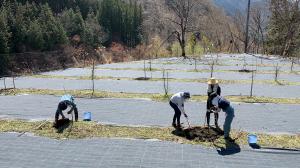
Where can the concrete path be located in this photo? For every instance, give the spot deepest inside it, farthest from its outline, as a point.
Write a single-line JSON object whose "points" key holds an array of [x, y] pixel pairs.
{"points": [[225, 62], [131, 86], [35, 152], [86, 72], [271, 118]]}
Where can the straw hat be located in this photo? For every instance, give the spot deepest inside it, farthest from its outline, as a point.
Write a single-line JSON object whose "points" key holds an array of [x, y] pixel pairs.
{"points": [[212, 81]]}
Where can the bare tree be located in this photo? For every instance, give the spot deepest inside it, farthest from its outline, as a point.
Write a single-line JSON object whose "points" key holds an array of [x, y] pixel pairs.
{"points": [[292, 64], [258, 26], [181, 19], [238, 30], [284, 27], [247, 27]]}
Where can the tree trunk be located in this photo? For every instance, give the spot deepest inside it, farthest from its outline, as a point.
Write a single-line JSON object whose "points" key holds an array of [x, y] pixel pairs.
{"points": [[183, 42], [183, 51]]}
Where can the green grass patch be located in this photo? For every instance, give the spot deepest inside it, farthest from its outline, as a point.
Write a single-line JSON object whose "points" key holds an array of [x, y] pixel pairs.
{"points": [[85, 94], [80, 130], [134, 69], [200, 80], [154, 97], [200, 70]]}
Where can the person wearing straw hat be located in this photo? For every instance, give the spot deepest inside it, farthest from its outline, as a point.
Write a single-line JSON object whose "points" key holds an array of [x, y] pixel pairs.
{"points": [[219, 103], [212, 89], [177, 103], [65, 102]]}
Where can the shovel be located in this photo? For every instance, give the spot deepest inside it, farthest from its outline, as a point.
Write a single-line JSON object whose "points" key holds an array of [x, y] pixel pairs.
{"points": [[187, 119]]}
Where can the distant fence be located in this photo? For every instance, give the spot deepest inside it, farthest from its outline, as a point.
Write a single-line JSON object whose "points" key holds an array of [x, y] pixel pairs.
{"points": [[7, 82]]}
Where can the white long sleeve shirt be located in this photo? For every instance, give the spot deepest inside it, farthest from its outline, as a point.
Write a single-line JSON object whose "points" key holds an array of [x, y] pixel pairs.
{"points": [[179, 100]]}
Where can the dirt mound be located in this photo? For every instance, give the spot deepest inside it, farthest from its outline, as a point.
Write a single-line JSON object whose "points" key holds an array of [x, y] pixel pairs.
{"points": [[203, 134], [142, 78], [246, 70]]}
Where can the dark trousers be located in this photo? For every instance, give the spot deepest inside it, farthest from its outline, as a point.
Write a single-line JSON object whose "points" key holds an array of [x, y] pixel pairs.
{"points": [[208, 118], [228, 120], [63, 106], [177, 113], [208, 106]]}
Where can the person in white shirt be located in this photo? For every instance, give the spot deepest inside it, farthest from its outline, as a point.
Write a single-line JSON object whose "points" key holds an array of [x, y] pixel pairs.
{"points": [[221, 103], [177, 103]]}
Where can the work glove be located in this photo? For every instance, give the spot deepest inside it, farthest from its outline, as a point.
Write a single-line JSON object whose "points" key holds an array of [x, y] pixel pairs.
{"points": [[185, 116]]}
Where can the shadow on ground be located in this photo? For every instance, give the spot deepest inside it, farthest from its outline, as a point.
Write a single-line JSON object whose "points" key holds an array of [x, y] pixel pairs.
{"points": [[273, 150], [231, 147], [205, 134], [142, 78]]}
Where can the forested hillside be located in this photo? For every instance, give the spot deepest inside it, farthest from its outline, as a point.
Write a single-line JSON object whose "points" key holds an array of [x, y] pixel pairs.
{"points": [[47, 25], [77, 30]]}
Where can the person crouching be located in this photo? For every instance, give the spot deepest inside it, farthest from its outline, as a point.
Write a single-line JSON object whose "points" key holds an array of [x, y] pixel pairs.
{"points": [[65, 102]]}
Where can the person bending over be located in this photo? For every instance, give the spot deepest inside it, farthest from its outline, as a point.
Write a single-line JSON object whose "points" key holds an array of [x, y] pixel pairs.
{"points": [[65, 102], [177, 103]]}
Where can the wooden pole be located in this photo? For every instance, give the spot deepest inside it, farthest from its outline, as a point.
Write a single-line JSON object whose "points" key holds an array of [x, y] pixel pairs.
{"points": [[195, 64], [4, 82], [14, 82], [93, 77], [145, 69], [252, 81], [212, 69], [247, 27]]}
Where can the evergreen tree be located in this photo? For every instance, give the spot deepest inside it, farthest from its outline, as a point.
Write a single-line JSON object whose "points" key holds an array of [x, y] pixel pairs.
{"points": [[94, 35], [72, 22], [120, 19], [53, 31], [19, 28], [4, 40], [35, 36]]}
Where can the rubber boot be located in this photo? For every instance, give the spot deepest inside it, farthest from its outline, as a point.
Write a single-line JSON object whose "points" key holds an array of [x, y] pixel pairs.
{"points": [[207, 118], [216, 120], [174, 125]]}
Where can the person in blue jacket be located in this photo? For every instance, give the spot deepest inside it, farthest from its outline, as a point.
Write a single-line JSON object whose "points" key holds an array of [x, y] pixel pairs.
{"points": [[219, 103], [65, 102]]}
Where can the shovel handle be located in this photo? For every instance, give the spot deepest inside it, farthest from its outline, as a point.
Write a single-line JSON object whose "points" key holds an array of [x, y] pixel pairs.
{"points": [[188, 122]]}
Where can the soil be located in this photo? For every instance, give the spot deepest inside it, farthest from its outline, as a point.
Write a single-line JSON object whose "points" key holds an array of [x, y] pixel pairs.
{"points": [[61, 125], [142, 78], [203, 134], [245, 70]]}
